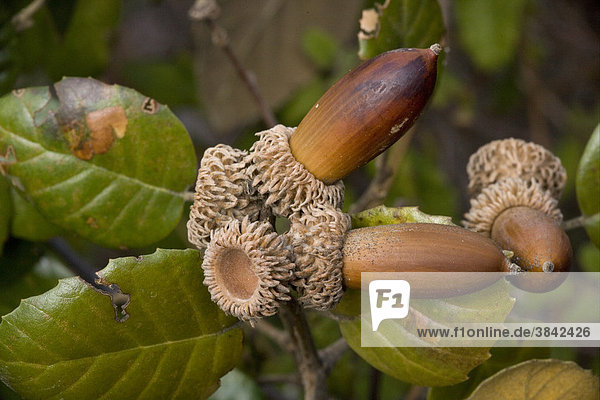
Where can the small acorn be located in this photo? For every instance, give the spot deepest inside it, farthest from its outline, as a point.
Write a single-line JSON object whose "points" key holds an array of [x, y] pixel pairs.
{"points": [[516, 186], [539, 245], [422, 247], [365, 112]]}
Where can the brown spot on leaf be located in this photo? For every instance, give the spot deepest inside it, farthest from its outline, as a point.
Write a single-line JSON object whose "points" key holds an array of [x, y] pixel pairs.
{"points": [[92, 223], [18, 92], [7, 159], [103, 125], [150, 106]]}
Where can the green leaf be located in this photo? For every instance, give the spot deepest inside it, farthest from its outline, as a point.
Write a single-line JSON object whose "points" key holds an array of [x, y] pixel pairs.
{"points": [[238, 386], [501, 358], [431, 366], [490, 30], [587, 186], [383, 215], [399, 23], [176, 342], [539, 379], [102, 161], [27, 223], [588, 257], [5, 211]]}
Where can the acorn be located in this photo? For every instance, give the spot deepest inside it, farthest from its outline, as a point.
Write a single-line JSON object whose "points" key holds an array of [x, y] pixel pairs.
{"points": [[296, 173], [539, 245], [422, 247], [516, 186], [365, 112]]}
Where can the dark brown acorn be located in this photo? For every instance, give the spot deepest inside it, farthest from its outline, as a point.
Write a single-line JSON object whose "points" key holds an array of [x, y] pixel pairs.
{"points": [[365, 112]]}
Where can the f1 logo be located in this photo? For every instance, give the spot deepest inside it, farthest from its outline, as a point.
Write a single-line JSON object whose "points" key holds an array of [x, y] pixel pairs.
{"points": [[389, 299]]}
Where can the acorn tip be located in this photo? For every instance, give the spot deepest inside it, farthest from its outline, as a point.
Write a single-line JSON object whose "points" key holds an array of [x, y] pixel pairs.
{"points": [[436, 48]]}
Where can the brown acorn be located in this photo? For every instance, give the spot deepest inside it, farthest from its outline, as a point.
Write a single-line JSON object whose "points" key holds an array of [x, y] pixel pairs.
{"points": [[418, 247], [516, 186], [365, 112], [539, 245]]}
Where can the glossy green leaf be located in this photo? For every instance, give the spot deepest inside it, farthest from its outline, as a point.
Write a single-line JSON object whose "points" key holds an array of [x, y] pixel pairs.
{"points": [[490, 30], [5, 211], [539, 379], [399, 23], [383, 215], [587, 185], [429, 366], [501, 358], [27, 223], [102, 161], [176, 343]]}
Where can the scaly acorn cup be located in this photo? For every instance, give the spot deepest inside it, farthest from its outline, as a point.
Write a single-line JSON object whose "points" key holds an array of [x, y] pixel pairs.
{"points": [[422, 247], [365, 112]]}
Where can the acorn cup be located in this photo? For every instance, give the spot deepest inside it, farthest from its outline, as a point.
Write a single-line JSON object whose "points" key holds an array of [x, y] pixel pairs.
{"points": [[424, 247], [365, 112]]}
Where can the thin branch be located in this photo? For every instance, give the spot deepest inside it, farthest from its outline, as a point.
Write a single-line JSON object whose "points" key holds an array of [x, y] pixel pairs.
{"points": [[208, 11], [277, 335], [337, 317], [332, 353], [579, 222], [188, 196], [278, 378], [24, 19], [414, 393], [312, 371], [72, 260], [387, 166]]}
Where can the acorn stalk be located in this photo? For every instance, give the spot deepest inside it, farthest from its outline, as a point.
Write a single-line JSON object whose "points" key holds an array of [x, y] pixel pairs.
{"points": [[365, 112]]}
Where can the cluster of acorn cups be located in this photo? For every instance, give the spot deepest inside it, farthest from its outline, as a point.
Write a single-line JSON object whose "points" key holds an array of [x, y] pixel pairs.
{"points": [[250, 268]]}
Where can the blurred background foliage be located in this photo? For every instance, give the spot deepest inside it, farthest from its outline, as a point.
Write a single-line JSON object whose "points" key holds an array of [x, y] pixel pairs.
{"points": [[511, 68]]}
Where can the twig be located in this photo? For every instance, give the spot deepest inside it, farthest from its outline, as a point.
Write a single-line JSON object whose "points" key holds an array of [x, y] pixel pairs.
{"points": [[414, 393], [188, 196], [332, 353], [208, 11], [579, 222], [374, 384], [277, 335], [312, 371], [72, 260], [387, 166], [278, 378], [24, 19]]}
